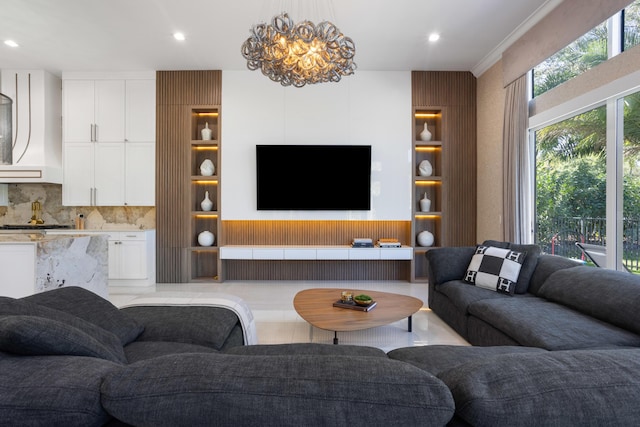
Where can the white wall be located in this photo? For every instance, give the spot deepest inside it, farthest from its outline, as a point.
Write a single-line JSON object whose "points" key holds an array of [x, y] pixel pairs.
{"points": [[368, 108]]}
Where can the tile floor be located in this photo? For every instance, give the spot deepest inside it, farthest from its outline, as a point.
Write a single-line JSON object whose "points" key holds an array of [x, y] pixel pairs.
{"points": [[277, 322]]}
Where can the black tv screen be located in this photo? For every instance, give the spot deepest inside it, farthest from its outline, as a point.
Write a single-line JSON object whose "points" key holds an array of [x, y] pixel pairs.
{"points": [[314, 177]]}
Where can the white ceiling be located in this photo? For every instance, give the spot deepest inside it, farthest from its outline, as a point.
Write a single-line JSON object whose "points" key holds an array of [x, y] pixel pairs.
{"points": [[131, 35]]}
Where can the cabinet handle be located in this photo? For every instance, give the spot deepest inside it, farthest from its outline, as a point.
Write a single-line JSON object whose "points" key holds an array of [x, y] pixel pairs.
{"points": [[96, 132], [91, 132]]}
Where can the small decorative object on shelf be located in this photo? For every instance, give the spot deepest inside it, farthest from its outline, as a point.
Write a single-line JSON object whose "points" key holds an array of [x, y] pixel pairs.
{"points": [[207, 168], [206, 204], [425, 238], [425, 135], [346, 296], [425, 203], [206, 133], [206, 238], [425, 168]]}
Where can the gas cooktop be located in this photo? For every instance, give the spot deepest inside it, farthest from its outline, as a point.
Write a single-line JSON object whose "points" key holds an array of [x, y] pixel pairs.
{"points": [[33, 227]]}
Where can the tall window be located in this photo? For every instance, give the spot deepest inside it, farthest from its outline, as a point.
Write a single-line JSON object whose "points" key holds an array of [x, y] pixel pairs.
{"points": [[577, 188], [580, 56], [619, 33], [571, 183], [631, 34]]}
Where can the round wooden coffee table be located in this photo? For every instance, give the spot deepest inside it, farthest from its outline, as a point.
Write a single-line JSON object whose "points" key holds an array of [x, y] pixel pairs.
{"points": [[316, 307]]}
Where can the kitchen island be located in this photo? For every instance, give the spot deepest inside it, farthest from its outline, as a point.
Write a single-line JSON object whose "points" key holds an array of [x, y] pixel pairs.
{"points": [[37, 262]]}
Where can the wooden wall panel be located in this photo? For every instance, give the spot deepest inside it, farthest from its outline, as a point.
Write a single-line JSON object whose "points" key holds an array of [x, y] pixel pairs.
{"points": [[317, 270], [312, 233], [176, 91], [455, 93]]}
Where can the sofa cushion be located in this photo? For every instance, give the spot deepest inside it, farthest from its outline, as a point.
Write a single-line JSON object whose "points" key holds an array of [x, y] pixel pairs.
{"points": [[52, 390], [439, 358], [32, 335], [306, 349], [535, 322], [91, 307], [532, 253], [547, 265], [11, 307], [608, 295], [495, 269], [449, 263], [462, 294], [195, 389], [143, 350], [200, 325], [551, 388]]}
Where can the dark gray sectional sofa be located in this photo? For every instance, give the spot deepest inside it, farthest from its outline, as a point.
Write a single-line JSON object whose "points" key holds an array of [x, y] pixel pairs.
{"points": [[71, 358], [562, 351]]}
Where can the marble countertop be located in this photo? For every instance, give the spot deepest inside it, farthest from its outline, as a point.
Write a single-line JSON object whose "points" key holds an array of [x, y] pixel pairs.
{"points": [[31, 237]]}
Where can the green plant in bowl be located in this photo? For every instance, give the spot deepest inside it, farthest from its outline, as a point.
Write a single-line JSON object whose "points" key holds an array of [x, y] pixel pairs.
{"points": [[363, 299]]}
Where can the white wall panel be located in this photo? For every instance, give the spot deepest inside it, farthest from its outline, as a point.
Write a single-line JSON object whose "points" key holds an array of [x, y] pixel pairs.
{"points": [[368, 108]]}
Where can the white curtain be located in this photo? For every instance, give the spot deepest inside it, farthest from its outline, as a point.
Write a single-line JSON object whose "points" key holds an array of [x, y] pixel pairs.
{"points": [[515, 151]]}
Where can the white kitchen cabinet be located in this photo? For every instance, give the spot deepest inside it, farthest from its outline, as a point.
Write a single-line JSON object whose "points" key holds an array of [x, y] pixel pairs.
{"points": [[94, 174], [119, 167], [140, 117], [17, 270], [127, 259], [140, 174], [94, 110]]}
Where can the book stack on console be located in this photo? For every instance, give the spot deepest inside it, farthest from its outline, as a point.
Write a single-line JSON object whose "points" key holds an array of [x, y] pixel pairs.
{"points": [[362, 242], [389, 243]]}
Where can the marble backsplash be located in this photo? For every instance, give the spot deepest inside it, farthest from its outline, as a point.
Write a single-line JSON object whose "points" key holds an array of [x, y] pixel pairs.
{"points": [[53, 212]]}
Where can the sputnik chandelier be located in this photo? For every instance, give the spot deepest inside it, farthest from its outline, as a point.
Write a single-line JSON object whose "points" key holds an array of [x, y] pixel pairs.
{"points": [[299, 54]]}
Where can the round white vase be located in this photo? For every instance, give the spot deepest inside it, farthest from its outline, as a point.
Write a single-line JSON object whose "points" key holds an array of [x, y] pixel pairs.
{"points": [[425, 168], [206, 238], [207, 168], [425, 204], [425, 238], [425, 135], [206, 203]]}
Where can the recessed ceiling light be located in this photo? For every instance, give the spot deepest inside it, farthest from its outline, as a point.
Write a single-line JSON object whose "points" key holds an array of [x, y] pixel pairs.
{"points": [[433, 37], [11, 43], [179, 36]]}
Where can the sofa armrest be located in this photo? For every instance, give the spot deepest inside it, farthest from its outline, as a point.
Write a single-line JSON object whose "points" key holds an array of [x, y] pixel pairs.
{"points": [[229, 302]]}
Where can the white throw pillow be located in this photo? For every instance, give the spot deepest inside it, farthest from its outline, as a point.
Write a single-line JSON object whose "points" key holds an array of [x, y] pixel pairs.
{"points": [[495, 269]]}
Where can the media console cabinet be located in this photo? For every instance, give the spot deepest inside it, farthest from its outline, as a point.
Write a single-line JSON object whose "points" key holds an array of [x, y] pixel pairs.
{"points": [[303, 252]]}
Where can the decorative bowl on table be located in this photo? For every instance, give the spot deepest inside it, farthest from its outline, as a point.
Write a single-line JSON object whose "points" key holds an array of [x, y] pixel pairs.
{"points": [[363, 300]]}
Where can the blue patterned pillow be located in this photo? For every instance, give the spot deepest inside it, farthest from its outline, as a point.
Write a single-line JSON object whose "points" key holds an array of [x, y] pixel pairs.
{"points": [[495, 269]]}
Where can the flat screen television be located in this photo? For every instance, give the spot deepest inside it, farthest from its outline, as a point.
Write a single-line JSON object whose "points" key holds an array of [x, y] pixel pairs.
{"points": [[314, 177]]}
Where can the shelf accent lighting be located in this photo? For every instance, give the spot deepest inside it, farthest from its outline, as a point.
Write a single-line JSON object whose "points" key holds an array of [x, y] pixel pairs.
{"points": [[431, 216], [426, 115], [299, 54]]}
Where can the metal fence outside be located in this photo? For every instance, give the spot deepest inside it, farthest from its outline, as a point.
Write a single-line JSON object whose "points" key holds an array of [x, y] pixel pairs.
{"points": [[561, 236]]}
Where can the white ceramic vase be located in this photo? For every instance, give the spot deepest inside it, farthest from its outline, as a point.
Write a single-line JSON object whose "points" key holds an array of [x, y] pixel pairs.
{"points": [[425, 168], [425, 204], [206, 238], [425, 135], [206, 132], [206, 203], [425, 238], [207, 168]]}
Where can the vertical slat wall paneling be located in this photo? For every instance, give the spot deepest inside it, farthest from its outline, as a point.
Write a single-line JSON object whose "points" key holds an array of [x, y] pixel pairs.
{"points": [[176, 92], [454, 93], [314, 233]]}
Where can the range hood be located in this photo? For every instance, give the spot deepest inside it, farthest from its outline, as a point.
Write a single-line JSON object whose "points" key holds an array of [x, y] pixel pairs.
{"points": [[36, 142]]}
